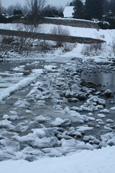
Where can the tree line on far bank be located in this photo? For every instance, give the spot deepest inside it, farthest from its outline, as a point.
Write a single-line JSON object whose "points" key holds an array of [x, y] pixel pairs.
{"points": [[102, 10], [33, 10]]}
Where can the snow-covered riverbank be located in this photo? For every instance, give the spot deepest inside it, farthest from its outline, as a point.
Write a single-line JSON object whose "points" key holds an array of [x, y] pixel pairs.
{"points": [[97, 161]]}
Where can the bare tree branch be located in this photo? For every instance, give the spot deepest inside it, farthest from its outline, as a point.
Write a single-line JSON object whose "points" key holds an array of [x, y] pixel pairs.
{"points": [[35, 7]]}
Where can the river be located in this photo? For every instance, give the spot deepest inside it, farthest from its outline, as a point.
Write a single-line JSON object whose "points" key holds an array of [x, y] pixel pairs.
{"points": [[61, 110]]}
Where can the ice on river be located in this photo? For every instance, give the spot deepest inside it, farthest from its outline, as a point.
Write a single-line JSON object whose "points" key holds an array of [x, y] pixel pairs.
{"points": [[19, 85], [48, 113]]}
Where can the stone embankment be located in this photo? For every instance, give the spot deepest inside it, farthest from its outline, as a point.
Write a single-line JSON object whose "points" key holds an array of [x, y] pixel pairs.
{"points": [[71, 22], [60, 38]]}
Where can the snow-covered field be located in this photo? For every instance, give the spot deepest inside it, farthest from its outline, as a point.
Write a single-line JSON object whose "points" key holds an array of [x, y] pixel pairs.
{"points": [[48, 111]]}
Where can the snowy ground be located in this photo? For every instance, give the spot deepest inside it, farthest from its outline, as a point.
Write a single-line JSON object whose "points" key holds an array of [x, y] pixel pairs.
{"points": [[57, 105], [107, 35], [105, 51], [97, 161]]}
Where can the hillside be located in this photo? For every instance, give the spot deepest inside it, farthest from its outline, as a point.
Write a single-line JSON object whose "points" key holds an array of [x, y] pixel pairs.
{"points": [[65, 25], [71, 34]]}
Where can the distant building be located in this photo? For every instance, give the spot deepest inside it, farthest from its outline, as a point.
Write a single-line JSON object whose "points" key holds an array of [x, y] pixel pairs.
{"points": [[68, 11]]}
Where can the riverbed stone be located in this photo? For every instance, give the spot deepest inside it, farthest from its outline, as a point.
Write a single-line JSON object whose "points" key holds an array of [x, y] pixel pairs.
{"points": [[108, 93]]}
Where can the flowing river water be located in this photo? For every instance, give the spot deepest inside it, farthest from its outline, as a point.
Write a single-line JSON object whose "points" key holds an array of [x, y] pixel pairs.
{"points": [[54, 101]]}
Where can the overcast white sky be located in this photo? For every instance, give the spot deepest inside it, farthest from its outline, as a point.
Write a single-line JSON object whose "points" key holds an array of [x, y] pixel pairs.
{"points": [[6, 3]]}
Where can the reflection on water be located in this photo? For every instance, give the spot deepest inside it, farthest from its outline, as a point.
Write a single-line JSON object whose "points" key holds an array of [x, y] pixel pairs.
{"points": [[102, 79]]}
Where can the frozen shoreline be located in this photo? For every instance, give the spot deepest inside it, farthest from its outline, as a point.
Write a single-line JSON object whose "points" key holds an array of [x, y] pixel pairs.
{"points": [[97, 161]]}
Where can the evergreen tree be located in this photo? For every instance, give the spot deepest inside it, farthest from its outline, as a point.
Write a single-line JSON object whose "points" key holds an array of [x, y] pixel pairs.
{"points": [[71, 4], [106, 6], [112, 6], [99, 8], [18, 12], [50, 11], [78, 9], [89, 9], [94, 9]]}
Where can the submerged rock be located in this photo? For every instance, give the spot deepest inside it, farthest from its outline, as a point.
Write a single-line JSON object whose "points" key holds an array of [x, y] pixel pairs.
{"points": [[108, 93], [61, 122]]}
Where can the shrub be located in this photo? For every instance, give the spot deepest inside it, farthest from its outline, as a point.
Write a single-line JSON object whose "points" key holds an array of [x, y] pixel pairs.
{"points": [[2, 19], [68, 46], [92, 49], [111, 22], [7, 40], [44, 46], [108, 23], [60, 31], [104, 25]]}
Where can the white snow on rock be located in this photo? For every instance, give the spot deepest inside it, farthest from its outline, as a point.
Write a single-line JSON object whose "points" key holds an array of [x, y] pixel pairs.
{"points": [[42, 118], [39, 133], [84, 128], [112, 108], [108, 139], [6, 124], [59, 122], [50, 67], [101, 115], [104, 111], [92, 103], [11, 117], [100, 121], [110, 121]]}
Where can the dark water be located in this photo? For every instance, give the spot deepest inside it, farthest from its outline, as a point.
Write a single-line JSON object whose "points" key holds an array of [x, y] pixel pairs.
{"points": [[102, 80]]}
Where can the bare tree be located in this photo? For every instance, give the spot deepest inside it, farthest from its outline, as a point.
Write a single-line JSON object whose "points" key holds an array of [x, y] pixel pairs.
{"points": [[25, 44], [35, 8]]}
